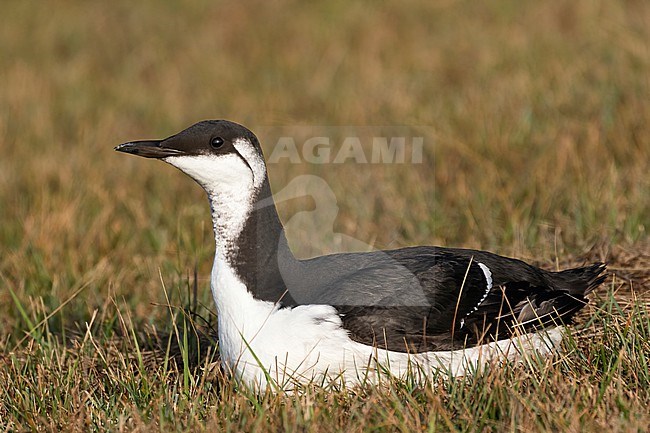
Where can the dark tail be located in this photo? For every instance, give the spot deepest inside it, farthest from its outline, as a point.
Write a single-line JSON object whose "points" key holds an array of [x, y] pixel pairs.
{"points": [[579, 281], [567, 296], [549, 299]]}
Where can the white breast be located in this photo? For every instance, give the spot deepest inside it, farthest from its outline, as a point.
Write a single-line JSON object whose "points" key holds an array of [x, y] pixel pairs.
{"points": [[258, 341]]}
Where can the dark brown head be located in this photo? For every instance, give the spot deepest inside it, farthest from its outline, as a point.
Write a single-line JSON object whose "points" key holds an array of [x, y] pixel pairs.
{"points": [[222, 156]]}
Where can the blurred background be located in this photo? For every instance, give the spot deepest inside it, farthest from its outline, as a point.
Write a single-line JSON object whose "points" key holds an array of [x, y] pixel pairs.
{"points": [[535, 119]]}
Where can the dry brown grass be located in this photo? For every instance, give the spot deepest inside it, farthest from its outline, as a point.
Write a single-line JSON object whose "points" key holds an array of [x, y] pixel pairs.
{"points": [[537, 132]]}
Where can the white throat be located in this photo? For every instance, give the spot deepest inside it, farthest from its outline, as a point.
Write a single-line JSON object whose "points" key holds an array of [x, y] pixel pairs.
{"points": [[231, 184]]}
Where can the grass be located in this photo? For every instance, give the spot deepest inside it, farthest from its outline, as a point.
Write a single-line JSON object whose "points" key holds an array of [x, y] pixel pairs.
{"points": [[535, 120]]}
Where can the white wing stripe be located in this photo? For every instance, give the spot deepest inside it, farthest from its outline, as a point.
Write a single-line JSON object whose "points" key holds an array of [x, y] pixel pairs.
{"points": [[488, 278]]}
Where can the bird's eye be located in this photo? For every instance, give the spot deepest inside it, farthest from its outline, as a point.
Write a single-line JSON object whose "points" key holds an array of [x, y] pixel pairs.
{"points": [[216, 142]]}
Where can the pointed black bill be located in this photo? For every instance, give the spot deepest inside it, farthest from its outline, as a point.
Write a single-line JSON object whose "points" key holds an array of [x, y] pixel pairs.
{"points": [[148, 149]]}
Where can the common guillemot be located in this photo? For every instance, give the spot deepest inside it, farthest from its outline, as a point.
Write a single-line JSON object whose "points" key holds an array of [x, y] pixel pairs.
{"points": [[351, 316]]}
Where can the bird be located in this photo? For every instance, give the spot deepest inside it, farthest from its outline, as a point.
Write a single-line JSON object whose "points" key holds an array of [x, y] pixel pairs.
{"points": [[356, 317]]}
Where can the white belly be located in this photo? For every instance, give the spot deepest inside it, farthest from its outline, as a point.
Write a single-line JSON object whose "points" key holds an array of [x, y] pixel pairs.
{"points": [[307, 343], [260, 342]]}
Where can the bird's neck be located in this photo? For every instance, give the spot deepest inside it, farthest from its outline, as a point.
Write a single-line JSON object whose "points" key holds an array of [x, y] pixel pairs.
{"points": [[250, 243]]}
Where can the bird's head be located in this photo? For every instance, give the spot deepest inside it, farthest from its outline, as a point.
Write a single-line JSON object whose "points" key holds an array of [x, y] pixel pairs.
{"points": [[220, 155]]}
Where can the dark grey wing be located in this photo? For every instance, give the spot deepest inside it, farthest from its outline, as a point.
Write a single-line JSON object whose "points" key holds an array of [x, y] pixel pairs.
{"points": [[429, 299], [525, 298], [525, 303], [404, 300]]}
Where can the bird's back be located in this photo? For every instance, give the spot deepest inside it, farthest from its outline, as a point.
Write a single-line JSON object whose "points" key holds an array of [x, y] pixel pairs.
{"points": [[431, 298]]}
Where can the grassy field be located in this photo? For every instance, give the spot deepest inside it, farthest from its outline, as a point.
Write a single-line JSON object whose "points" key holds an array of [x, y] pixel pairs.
{"points": [[536, 126]]}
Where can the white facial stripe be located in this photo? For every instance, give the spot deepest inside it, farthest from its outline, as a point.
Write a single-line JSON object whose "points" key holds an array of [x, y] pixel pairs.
{"points": [[254, 159]]}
